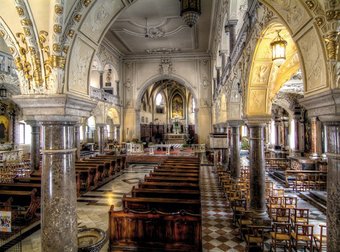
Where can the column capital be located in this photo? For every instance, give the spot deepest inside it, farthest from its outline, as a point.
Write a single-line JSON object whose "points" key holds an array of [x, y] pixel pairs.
{"points": [[325, 105], [32, 123], [235, 123], [100, 124], [257, 121], [54, 107]]}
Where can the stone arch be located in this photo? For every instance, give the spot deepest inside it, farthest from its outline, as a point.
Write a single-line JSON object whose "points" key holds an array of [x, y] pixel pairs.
{"points": [[159, 77], [264, 78], [308, 26], [114, 115], [96, 21]]}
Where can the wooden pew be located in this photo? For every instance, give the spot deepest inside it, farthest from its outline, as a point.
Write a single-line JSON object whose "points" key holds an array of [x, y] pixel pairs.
{"points": [[172, 179], [20, 186], [113, 163], [27, 179], [166, 185], [168, 205], [28, 199], [165, 193], [162, 169], [131, 230], [99, 167], [87, 174], [174, 174]]}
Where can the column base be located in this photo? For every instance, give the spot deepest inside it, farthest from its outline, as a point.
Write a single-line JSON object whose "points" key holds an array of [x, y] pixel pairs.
{"points": [[260, 218], [314, 156], [296, 153]]}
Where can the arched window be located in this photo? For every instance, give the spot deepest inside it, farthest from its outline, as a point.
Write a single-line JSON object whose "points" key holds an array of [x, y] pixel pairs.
{"points": [[159, 103], [159, 99]]}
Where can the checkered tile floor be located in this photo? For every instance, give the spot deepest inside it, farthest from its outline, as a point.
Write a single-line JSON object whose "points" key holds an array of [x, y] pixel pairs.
{"points": [[218, 232]]}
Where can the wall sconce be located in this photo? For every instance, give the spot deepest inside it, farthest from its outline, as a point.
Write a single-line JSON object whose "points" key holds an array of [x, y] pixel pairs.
{"points": [[278, 46], [3, 91], [190, 11]]}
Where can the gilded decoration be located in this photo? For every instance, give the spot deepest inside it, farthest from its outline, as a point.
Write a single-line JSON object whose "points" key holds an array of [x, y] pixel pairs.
{"points": [[177, 107], [58, 9], [332, 44]]}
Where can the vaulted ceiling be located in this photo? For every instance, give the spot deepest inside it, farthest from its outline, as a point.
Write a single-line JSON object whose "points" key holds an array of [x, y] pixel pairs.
{"points": [[155, 27]]}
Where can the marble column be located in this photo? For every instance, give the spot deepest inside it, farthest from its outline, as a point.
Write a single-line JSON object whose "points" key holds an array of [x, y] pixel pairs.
{"points": [[301, 131], [35, 145], [118, 133], [257, 170], [235, 163], [316, 145], [333, 186], [295, 132], [59, 201], [284, 133], [77, 140], [267, 135], [101, 140], [277, 131]]}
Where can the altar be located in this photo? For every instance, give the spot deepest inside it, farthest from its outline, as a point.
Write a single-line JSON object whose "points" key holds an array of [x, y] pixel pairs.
{"points": [[173, 138]]}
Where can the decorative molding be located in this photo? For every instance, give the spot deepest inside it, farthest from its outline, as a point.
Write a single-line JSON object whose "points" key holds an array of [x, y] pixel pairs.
{"points": [[166, 66], [163, 50]]}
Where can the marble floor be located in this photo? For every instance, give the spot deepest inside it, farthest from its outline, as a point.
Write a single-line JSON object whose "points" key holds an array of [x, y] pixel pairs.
{"points": [[93, 207], [218, 231]]}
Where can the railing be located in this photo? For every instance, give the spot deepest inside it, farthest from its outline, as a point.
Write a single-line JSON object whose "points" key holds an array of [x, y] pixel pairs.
{"points": [[240, 43], [100, 94]]}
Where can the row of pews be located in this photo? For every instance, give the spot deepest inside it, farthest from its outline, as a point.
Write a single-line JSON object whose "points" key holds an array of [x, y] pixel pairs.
{"points": [[93, 171], [22, 195], [163, 213]]}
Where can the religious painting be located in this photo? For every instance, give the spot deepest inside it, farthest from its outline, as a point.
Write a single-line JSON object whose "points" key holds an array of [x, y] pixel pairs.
{"points": [[177, 107], [3, 129], [5, 221]]}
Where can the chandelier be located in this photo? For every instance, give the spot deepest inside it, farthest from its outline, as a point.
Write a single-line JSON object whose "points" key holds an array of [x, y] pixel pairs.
{"points": [[190, 11], [278, 46]]}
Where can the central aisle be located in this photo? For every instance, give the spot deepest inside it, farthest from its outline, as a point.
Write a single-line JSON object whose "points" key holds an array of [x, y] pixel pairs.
{"points": [[218, 232]]}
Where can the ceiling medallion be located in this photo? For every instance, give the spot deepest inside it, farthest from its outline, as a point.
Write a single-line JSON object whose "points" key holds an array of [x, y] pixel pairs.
{"points": [[154, 33]]}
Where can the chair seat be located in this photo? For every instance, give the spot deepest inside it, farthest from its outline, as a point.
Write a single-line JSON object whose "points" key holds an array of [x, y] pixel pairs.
{"points": [[239, 209], [245, 222], [282, 219], [280, 237], [300, 237], [318, 238], [300, 220], [253, 239]]}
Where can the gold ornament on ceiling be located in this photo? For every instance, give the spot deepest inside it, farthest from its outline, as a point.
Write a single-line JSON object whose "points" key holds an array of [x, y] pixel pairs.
{"points": [[332, 45], [58, 9], [20, 11], [77, 17]]}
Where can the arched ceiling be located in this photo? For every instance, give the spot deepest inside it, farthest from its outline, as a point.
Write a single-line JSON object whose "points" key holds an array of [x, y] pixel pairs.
{"points": [[166, 31], [266, 79]]}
